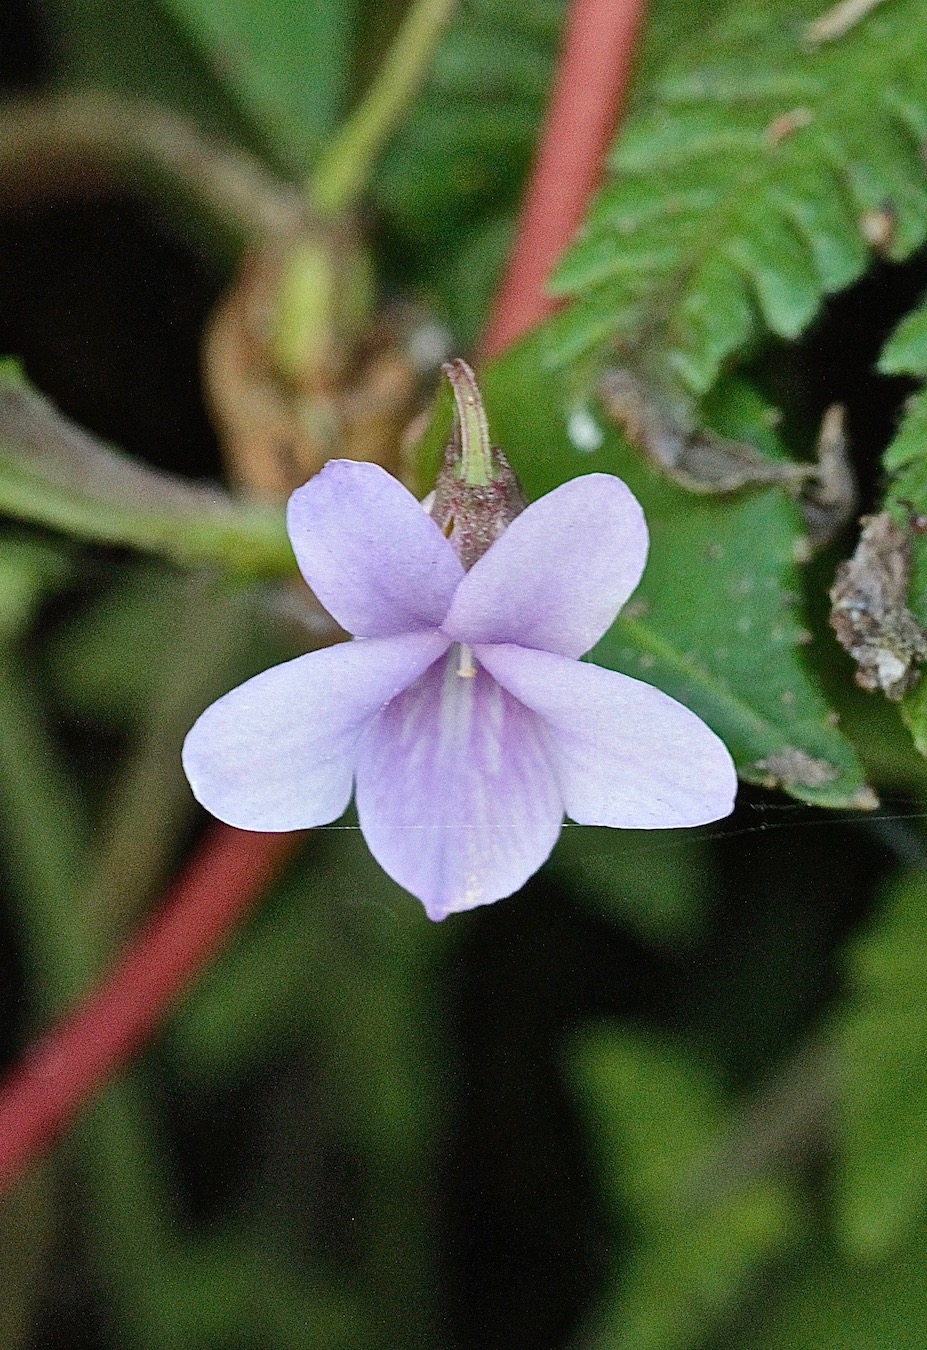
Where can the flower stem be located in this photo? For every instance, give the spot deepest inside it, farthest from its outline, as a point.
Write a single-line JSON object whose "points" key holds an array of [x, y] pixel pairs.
{"points": [[344, 168], [151, 802], [472, 428], [592, 79]]}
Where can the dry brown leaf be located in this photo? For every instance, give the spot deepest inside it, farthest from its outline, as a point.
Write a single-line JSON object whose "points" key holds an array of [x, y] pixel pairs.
{"points": [[869, 610]]}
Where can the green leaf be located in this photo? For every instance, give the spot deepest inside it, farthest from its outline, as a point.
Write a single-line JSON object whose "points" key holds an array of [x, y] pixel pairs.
{"points": [[837, 1304], [655, 1116], [881, 1038], [908, 451], [54, 474], [29, 570], [450, 183], [653, 1113], [26, 1237], [905, 353], [136, 49], [738, 190], [714, 622], [657, 886], [299, 952], [468, 142], [285, 63], [108, 659], [241, 1285]]}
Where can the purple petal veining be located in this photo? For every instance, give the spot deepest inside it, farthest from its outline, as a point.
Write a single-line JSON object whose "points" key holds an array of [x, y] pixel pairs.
{"points": [[455, 792], [624, 753]]}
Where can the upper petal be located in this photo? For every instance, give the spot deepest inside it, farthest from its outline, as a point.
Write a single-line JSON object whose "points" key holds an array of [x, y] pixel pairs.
{"points": [[624, 753], [377, 562], [278, 752], [455, 792], [556, 578]]}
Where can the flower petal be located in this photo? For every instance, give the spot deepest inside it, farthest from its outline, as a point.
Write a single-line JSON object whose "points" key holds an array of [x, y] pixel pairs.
{"points": [[377, 562], [556, 578], [278, 752], [624, 753], [455, 792]]}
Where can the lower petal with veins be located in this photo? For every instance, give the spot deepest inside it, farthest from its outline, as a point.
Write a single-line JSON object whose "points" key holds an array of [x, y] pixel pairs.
{"points": [[455, 792]]}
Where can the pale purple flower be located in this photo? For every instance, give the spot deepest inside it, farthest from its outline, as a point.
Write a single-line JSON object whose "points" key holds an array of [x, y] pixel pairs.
{"points": [[460, 712]]}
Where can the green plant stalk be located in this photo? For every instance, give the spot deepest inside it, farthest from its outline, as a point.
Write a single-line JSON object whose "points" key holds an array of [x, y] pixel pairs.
{"points": [[151, 801], [343, 968], [26, 1235], [344, 168], [46, 846], [151, 806], [47, 852], [384, 1073]]}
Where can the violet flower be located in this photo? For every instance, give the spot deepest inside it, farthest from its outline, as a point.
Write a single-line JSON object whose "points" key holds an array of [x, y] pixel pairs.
{"points": [[460, 713]]}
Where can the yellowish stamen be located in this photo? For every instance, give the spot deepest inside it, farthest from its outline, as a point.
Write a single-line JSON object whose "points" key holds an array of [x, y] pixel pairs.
{"points": [[466, 669]]}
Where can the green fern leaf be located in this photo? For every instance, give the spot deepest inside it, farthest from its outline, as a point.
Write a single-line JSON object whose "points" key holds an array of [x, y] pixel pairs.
{"points": [[905, 353], [739, 191]]}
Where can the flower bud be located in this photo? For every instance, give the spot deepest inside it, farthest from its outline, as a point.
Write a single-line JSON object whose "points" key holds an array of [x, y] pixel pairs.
{"points": [[477, 494]]}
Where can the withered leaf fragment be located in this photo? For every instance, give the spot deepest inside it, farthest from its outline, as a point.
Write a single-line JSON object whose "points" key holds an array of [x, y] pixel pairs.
{"points": [[869, 610], [698, 460], [829, 496], [790, 768], [704, 462]]}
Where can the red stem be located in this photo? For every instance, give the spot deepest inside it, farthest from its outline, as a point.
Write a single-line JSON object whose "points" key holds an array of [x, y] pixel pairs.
{"points": [[232, 868], [592, 79], [67, 1066]]}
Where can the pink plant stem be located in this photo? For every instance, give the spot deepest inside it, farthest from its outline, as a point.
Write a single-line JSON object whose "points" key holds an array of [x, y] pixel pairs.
{"points": [[589, 92], [231, 869], [66, 1066]]}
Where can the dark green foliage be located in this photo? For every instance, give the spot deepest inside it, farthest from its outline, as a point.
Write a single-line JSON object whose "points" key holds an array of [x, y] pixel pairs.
{"points": [[720, 587], [719, 1038], [450, 184], [655, 1114], [739, 189], [880, 1038], [869, 1306]]}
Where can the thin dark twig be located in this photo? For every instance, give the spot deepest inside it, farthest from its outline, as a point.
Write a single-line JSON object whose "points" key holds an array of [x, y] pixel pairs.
{"points": [[70, 144]]}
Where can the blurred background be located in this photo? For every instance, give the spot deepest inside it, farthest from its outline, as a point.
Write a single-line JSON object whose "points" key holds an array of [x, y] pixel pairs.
{"points": [[673, 1095]]}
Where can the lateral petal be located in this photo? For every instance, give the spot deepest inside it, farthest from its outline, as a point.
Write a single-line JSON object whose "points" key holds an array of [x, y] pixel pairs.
{"points": [[279, 752], [624, 753], [556, 578], [377, 562], [455, 792]]}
